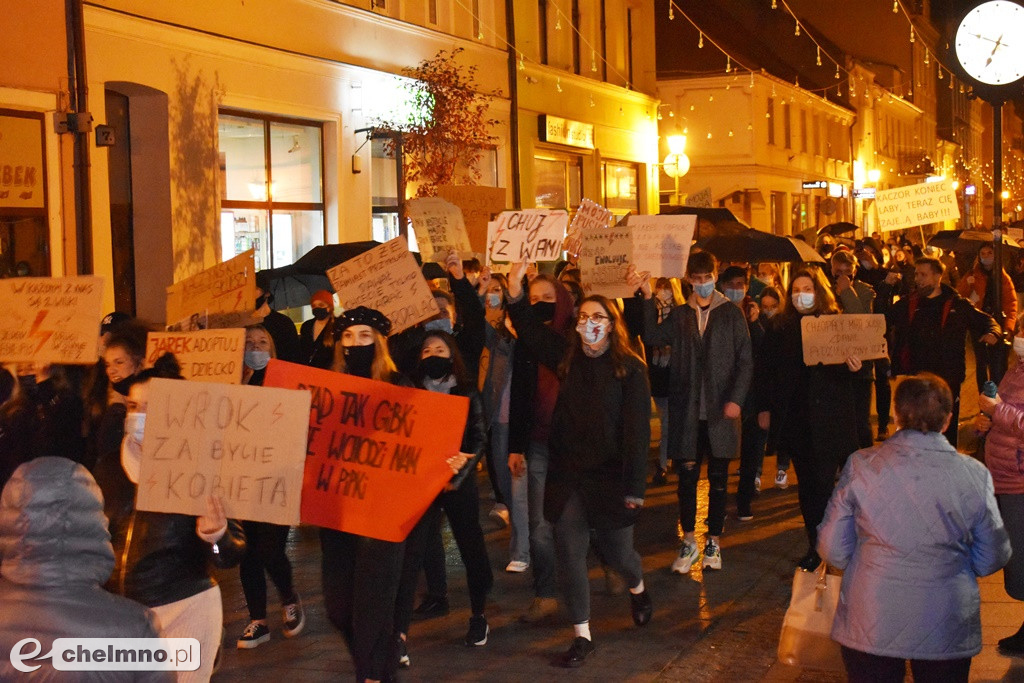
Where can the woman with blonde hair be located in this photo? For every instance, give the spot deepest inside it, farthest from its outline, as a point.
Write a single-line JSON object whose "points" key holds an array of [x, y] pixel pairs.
{"points": [[667, 295], [809, 409], [360, 574]]}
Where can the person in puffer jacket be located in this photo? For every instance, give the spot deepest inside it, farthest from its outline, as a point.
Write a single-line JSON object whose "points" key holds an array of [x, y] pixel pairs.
{"points": [[1003, 418], [913, 523], [56, 554]]}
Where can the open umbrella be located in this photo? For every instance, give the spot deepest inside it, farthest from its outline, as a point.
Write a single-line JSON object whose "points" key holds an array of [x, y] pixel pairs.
{"points": [[292, 285], [289, 287], [710, 222], [840, 228], [967, 241], [754, 246]]}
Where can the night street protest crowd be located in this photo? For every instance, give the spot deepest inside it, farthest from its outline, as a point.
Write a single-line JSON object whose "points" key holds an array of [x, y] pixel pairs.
{"points": [[562, 388]]}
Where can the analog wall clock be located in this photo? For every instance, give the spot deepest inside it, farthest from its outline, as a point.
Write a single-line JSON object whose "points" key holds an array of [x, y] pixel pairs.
{"points": [[990, 42]]}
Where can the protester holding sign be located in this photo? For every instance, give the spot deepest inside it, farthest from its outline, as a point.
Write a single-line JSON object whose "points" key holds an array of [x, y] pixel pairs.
{"points": [[316, 336], [164, 560], [532, 397], [280, 326], [264, 542], [441, 369], [810, 408], [361, 574], [599, 437]]}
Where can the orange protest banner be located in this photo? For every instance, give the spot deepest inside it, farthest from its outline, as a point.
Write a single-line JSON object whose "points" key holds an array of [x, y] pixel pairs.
{"points": [[376, 454]]}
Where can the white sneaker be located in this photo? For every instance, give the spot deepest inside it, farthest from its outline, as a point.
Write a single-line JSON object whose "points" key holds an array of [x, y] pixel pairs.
{"points": [[781, 480], [712, 555], [688, 554], [517, 567]]}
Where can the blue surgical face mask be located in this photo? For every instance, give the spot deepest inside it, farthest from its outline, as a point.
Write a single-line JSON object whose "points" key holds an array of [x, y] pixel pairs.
{"points": [[257, 360], [494, 300], [735, 295], [804, 301], [135, 425], [704, 289], [987, 262], [438, 325]]}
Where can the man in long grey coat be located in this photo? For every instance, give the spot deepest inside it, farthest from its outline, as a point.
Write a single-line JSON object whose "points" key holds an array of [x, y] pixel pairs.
{"points": [[709, 378]]}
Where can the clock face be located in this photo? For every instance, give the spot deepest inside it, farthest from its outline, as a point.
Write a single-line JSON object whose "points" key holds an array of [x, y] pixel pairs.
{"points": [[990, 42]]}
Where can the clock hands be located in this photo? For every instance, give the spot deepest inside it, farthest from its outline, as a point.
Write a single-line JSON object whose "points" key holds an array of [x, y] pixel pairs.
{"points": [[998, 45]]}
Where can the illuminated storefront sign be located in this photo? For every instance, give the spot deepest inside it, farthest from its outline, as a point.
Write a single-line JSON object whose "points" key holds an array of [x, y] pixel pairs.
{"points": [[566, 132]]}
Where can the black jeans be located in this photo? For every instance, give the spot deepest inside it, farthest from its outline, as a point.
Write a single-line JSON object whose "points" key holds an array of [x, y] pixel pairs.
{"points": [[952, 433], [862, 667], [862, 411], [689, 475], [433, 562], [360, 580], [264, 551], [816, 475], [753, 440], [883, 392], [462, 507]]}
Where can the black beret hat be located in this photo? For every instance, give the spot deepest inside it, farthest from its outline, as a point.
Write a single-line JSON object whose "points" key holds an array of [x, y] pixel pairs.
{"points": [[111, 320], [361, 315]]}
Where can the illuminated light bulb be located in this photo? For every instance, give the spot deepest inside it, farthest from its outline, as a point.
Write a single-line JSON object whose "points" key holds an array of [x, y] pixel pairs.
{"points": [[767, 115], [709, 136], [558, 84], [711, 98], [796, 31], [728, 64], [671, 12], [911, 34], [819, 56], [750, 126], [592, 103], [775, 4], [839, 91], [940, 73], [692, 107], [558, 22], [522, 66], [700, 40], [837, 72], [593, 60], [730, 133], [895, 6], [659, 115], [926, 58]]}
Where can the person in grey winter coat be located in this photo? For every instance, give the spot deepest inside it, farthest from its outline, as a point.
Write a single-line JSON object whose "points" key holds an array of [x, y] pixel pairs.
{"points": [[56, 554], [710, 375], [912, 523]]}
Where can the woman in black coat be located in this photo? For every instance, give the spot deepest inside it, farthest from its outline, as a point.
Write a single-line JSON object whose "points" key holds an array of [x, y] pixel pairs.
{"points": [[600, 434], [810, 409], [442, 369]]}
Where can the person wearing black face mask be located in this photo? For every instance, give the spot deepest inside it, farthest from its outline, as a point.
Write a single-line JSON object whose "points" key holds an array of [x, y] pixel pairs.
{"points": [[281, 328], [361, 604], [442, 369], [316, 337]]}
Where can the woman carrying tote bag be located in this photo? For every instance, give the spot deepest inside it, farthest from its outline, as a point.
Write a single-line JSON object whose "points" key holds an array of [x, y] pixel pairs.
{"points": [[913, 523]]}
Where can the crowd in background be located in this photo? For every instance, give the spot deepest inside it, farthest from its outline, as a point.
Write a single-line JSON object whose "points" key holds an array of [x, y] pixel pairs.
{"points": [[563, 385]]}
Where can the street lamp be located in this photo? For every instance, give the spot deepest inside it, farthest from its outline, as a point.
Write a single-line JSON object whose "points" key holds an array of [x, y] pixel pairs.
{"points": [[676, 163], [874, 175]]}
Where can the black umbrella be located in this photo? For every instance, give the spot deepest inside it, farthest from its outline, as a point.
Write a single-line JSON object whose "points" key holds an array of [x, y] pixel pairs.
{"points": [[710, 222], [292, 285], [289, 287], [840, 228], [323, 258], [754, 246], [967, 241]]}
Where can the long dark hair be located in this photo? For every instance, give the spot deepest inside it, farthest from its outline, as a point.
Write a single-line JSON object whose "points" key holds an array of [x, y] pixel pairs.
{"points": [[459, 371], [618, 340], [824, 300]]}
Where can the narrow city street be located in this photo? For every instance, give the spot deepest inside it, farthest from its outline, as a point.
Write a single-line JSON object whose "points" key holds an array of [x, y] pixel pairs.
{"points": [[710, 626]]}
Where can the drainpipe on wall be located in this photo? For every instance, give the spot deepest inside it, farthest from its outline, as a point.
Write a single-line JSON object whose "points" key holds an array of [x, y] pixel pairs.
{"points": [[513, 94], [79, 125]]}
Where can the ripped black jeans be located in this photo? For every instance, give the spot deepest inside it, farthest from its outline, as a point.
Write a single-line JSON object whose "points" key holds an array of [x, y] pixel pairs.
{"points": [[689, 475]]}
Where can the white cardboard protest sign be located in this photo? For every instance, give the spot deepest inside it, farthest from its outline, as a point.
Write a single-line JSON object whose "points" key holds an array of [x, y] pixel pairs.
{"points": [[907, 207], [701, 199], [831, 339], [228, 287], [661, 244], [386, 278], [589, 214], [50, 319], [530, 235], [439, 228], [244, 443], [204, 356], [605, 255]]}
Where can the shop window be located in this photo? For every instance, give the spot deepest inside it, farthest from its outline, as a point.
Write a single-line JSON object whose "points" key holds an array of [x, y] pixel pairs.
{"points": [[800, 218], [787, 125], [771, 120], [271, 187], [558, 182], [24, 228], [620, 187]]}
